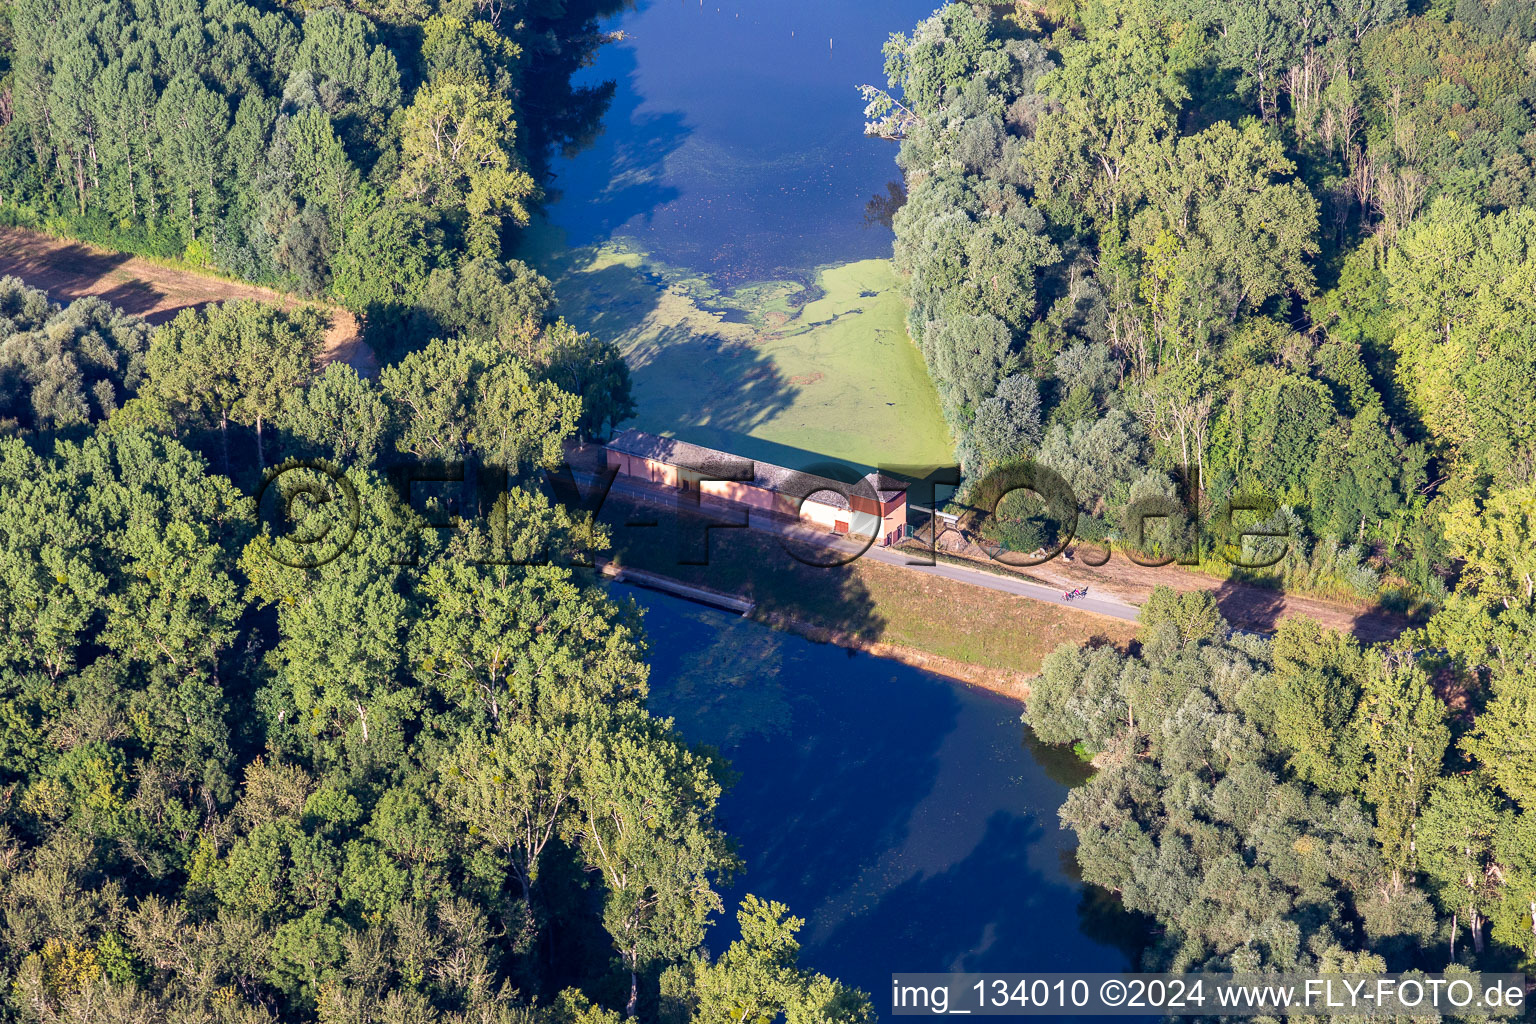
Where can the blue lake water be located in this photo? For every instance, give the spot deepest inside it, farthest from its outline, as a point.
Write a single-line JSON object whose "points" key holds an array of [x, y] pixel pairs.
{"points": [[905, 817], [735, 143]]}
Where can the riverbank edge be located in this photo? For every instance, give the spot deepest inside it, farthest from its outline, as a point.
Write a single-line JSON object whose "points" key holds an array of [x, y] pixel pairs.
{"points": [[782, 594], [1007, 683], [1003, 682]]}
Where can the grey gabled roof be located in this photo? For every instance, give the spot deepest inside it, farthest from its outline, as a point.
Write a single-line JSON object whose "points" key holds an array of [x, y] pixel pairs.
{"points": [[890, 487], [723, 465]]}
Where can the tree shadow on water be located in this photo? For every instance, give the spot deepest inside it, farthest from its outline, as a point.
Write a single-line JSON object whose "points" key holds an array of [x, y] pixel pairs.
{"points": [[1104, 918], [1059, 762], [880, 813], [826, 770], [988, 912], [558, 113], [879, 802], [833, 780], [695, 376], [713, 391], [796, 585], [616, 158]]}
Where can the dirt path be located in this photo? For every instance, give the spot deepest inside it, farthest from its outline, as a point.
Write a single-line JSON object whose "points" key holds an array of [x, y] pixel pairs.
{"points": [[1245, 605], [69, 270]]}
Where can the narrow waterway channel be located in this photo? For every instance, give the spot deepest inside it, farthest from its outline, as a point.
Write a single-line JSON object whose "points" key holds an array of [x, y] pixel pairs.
{"points": [[911, 821]]}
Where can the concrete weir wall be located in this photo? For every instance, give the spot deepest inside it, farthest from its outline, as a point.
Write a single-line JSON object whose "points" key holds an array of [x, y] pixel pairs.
{"points": [[703, 595]]}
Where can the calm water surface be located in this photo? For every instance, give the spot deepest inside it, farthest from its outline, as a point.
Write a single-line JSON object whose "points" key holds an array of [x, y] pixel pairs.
{"points": [[903, 816], [735, 142]]}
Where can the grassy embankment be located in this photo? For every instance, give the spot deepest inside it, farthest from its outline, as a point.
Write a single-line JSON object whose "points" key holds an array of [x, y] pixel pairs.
{"points": [[980, 636]]}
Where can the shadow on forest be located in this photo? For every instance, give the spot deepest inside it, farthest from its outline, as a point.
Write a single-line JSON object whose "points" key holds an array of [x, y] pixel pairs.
{"points": [[1213, 95], [1250, 606]]}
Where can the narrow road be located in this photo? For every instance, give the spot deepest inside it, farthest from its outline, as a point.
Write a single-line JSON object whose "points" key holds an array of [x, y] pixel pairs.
{"points": [[757, 519], [981, 578]]}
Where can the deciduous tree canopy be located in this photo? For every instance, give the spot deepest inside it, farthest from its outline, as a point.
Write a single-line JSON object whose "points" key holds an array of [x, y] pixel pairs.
{"points": [[386, 784]]}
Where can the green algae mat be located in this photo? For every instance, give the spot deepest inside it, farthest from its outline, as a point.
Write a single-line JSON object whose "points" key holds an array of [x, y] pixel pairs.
{"points": [[785, 372]]}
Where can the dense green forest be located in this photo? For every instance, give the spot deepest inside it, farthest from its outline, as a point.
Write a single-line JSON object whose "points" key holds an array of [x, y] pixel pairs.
{"points": [[1274, 247], [1277, 245], [411, 779], [1301, 803], [347, 151], [275, 748]]}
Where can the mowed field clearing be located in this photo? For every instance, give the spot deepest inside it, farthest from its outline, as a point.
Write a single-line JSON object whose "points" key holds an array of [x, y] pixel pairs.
{"points": [[69, 270]]}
